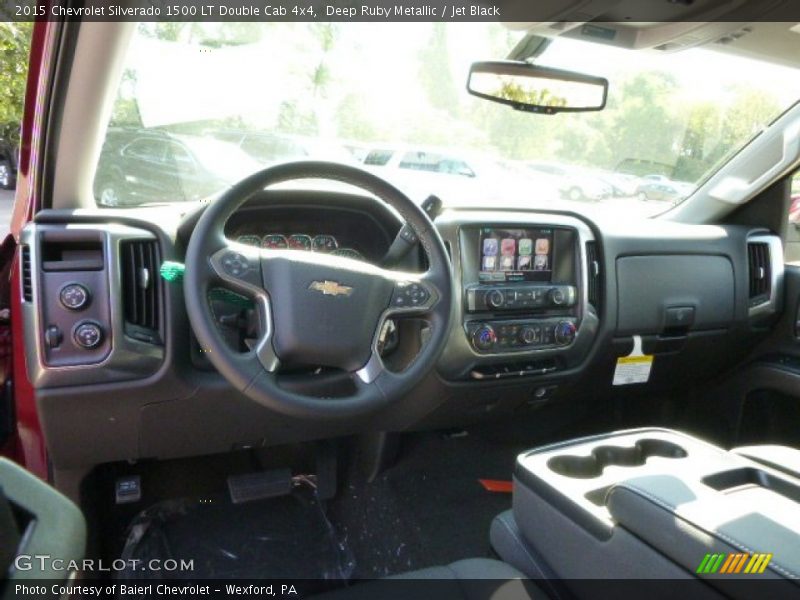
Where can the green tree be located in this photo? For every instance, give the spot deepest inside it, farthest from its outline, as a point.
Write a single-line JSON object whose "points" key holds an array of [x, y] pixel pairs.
{"points": [[435, 72], [15, 41]]}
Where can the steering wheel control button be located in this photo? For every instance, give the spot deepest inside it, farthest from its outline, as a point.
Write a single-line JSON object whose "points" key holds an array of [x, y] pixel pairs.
{"points": [[235, 264], [484, 338], [88, 335], [74, 296], [407, 234], [410, 295]]}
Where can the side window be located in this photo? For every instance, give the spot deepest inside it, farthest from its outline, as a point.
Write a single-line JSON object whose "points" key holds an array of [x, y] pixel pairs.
{"points": [[421, 161], [378, 158], [793, 232], [150, 150], [453, 166], [180, 156]]}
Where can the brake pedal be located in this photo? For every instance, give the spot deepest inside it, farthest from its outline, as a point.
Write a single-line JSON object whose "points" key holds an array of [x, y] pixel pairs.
{"points": [[260, 485]]}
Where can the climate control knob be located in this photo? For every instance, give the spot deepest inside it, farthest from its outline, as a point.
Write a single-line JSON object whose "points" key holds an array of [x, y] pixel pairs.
{"points": [[74, 296], [484, 338], [495, 298], [564, 332], [529, 334], [88, 335]]}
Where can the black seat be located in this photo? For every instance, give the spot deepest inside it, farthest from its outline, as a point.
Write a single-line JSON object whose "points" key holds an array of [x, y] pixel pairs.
{"points": [[470, 579]]}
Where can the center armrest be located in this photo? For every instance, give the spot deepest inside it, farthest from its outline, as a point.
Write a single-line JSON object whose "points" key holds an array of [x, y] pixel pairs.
{"points": [[685, 520]]}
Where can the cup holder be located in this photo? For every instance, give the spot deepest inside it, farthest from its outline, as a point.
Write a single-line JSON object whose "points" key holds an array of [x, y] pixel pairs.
{"points": [[587, 467]]}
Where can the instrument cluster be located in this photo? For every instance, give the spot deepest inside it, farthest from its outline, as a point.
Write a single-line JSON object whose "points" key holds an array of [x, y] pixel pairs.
{"points": [[326, 244]]}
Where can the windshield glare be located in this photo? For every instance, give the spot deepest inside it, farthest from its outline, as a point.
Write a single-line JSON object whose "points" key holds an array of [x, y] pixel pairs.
{"points": [[204, 104]]}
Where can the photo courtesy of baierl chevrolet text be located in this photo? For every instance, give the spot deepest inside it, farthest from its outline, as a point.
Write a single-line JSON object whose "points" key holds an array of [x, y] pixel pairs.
{"points": [[399, 299]]}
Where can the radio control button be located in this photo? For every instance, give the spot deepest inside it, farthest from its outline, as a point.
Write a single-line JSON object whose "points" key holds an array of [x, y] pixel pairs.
{"points": [[495, 298], [557, 296]]}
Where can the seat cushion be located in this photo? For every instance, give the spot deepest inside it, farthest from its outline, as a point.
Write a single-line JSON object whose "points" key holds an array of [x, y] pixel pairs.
{"points": [[470, 579]]}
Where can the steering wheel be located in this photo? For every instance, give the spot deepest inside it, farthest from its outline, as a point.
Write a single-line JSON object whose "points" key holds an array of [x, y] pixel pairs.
{"points": [[316, 309]]}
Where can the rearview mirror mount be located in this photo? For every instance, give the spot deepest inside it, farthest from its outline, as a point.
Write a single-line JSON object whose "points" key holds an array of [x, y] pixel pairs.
{"points": [[536, 89]]}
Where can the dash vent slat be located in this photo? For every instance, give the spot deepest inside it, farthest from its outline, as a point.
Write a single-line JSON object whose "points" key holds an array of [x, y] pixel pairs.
{"points": [[593, 274], [141, 286], [759, 272], [26, 275]]}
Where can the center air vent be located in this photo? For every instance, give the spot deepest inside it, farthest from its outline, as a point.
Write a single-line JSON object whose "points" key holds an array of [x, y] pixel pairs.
{"points": [[26, 275], [759, 272], [141, 289], [593, 274]]}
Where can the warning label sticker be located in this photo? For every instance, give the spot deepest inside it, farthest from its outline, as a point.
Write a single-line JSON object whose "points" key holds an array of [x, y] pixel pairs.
{"points": [[634, 368]]}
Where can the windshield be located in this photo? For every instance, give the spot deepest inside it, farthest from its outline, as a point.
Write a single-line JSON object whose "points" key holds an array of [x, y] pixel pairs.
{"points": [[200, 105]]}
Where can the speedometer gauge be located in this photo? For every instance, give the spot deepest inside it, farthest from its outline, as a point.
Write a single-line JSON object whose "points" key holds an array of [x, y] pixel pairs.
{"points": [[299, 241], [324, 243], [348, 253], [250, 240], [274, 241]]}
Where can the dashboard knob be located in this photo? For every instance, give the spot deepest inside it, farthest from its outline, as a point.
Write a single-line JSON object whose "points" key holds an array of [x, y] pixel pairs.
{"points": [[88, 335], [484, 337], [529, 335], [495, 298], [74, 296], [557, 297], [565, 332]]}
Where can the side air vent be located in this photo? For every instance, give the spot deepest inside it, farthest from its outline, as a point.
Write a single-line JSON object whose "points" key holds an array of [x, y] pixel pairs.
{"points": [[759, 272], [141, 289], [593, 274], [27, 275]]}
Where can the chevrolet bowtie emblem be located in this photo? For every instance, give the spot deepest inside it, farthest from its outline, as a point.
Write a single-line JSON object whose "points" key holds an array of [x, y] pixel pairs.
{"points": [[330, 288]]}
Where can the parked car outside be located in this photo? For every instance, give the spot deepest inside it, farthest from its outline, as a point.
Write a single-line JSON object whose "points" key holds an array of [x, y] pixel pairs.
{"points": [[574, 183], [794, 209], [140, 166], [622, 184], [9, 156], [270, 148], [462, 177], [664, 189]]}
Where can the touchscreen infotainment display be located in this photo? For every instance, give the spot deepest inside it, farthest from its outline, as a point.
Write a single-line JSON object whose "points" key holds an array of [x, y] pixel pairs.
{"points": [[510, 254]]}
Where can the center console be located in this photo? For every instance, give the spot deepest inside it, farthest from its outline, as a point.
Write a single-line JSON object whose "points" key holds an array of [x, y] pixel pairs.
{"points": [[653, 504], [526, 287], [525, 307]]}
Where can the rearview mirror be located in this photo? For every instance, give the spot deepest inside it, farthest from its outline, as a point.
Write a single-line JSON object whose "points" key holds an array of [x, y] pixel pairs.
{"points": [[536, 89]]}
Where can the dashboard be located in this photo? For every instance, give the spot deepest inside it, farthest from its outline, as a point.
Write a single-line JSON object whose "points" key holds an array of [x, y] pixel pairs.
{"points": [[545, 304]]}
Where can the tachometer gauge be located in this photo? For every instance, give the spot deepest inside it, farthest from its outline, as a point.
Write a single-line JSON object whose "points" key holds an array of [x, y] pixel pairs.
{"points": [[348, 253], [274, 241], [250, 240], [324, 243], [299, 241]]}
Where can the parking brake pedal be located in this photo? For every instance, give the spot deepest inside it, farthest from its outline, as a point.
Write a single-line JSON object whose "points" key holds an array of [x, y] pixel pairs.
{"points": [[260, 485]]}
